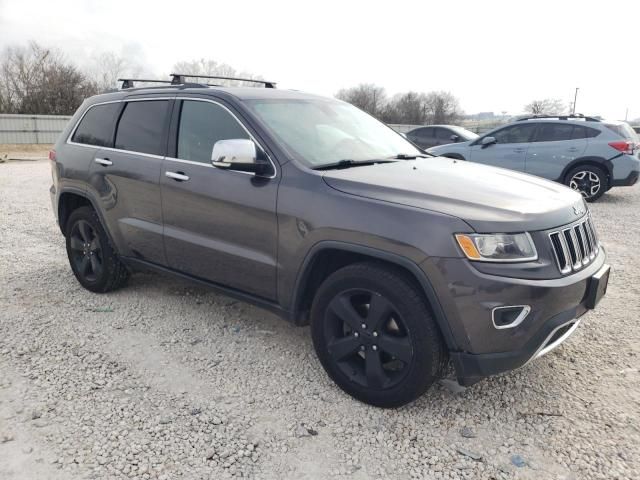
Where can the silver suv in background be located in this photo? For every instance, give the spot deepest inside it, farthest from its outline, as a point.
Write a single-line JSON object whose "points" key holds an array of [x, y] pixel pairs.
{"points": [[584, 153], [434, 135]]}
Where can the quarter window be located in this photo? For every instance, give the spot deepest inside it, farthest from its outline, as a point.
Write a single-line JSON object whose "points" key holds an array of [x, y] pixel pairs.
{"points": [[202, 124], [96, 127], [141, 127]]}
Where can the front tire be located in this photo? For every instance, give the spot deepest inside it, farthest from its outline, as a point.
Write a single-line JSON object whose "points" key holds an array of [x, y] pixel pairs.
{"points": [[375, 336], [589, 180], [93, 260]]}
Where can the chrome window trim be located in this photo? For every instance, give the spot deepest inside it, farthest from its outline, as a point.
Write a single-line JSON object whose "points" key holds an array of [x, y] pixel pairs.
{"points": [[195, 99], [526, 309], [160, 157]]}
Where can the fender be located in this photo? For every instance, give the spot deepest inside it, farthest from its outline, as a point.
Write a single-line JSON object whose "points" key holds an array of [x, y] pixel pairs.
{"points": [[85, 194], [597, 161], [406, 263]]}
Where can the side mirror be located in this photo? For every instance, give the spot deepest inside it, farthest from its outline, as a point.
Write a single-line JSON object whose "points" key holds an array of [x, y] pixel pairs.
{"points": [[454, 138], [486, 141], [238, 154]]}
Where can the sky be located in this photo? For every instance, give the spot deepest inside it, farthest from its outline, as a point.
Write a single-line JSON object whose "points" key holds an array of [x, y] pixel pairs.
{"points": [[493, 55]]}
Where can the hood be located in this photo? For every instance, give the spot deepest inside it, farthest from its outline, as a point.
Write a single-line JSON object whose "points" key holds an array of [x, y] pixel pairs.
{"points": [[489, 199]]}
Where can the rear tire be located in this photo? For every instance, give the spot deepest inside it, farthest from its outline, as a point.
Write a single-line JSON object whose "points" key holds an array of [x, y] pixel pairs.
{"points": [[591, 181], [375, 336], [93, 259]]}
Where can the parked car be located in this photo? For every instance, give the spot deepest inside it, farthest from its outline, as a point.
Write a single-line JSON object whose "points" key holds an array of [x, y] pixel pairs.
{"points": [[434, 135], [584, 153], [314, 210]]}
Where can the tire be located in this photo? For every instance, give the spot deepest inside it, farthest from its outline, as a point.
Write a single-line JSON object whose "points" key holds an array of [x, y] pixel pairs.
{"points": [[591, 181], [387, 358], [93, 259]]}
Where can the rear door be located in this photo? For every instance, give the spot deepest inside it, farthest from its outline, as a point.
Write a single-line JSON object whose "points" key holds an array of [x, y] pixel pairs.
{"points": [[556, 145], [510, 149], [219, 225], [125, 178]]}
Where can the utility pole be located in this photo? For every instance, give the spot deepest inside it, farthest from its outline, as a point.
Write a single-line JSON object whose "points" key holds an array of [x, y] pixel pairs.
{"points": [[575, 99], [626, 114]]}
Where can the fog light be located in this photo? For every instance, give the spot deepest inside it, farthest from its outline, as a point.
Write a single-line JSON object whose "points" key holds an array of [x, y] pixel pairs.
{"points": [[509, 316]]}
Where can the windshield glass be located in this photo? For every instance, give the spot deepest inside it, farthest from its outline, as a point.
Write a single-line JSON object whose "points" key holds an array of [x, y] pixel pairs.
{"points": [[464, 133], [319, 132]]}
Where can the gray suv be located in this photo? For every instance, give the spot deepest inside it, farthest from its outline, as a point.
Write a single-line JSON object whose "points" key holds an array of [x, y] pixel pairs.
{"points": [[316, 211], [585, 153]]}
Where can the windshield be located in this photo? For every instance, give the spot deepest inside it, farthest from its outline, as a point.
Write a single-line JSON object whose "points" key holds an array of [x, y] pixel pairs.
{"points": [[464, 133], [320, 132]]}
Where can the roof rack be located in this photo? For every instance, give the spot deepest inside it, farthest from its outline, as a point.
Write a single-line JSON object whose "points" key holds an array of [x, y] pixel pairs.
{"points": [[561, 117], [179, 78], [127, 83]]}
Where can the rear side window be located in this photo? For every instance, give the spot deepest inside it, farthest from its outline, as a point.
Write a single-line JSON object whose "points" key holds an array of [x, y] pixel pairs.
{"points": [[202, 124], [554, 132], [584, 132], [141, 127], [623, 130], [96, 126]]}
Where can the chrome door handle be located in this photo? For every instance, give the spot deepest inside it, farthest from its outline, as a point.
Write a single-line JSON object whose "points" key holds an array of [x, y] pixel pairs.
{"points": [[180, 177], [104, 162]]}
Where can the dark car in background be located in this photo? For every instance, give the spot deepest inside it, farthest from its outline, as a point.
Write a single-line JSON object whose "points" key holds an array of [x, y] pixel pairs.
{"points": [[434, 135]]}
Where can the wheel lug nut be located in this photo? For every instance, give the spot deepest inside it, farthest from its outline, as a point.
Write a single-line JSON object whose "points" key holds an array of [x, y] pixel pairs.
{"points": [[356, 334], [361, 347], [364, 326], [375, 334], [374, 347]]}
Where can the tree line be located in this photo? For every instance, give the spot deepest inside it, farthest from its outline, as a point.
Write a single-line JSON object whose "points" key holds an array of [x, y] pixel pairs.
{"points": [[412, 108], [35, 79]]}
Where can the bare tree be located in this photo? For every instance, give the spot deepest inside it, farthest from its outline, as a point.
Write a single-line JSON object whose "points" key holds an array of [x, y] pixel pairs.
{"points": [[211, 67], [108, 67], [366, 96], [39, 80], [548, 106], [441, 108]]}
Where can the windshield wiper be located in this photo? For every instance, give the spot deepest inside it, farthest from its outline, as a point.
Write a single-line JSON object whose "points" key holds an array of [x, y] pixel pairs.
{"points": [[404, 156], [347, 163]]}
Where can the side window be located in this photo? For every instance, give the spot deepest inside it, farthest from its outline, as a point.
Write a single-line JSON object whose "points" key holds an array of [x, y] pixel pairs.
{"points": [[141, 127], [590, 132], [202, 124], [96, 127], [443, 134], [554, 132], [425, 133], [515, 134]]}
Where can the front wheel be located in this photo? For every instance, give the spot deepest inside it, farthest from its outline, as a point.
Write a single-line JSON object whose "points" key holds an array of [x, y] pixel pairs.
{"points": [[375, 336], [589, 180]]}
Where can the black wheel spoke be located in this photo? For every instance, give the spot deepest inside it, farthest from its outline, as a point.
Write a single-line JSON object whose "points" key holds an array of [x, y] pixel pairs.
{"points": [[84, 266], [95, 265], [76, 243], [85, 231], [343, 347], [379, 311], [397, 347], [341, 306], [374, 371]]}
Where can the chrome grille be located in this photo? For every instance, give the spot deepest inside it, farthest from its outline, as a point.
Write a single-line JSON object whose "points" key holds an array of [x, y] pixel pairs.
{"points": [[575, 246]]}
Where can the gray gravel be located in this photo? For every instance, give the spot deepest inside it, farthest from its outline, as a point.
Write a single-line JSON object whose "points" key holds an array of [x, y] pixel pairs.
{"points": [[166, 380]]}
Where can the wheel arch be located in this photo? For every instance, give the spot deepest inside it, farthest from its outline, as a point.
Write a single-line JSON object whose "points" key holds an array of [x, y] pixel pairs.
{"points": [[326, 257], [71, 199], [599, 162]]}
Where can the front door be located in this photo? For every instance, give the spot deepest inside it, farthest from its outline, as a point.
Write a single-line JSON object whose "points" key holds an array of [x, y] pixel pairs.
{"points": [[510, 148], [219, 225]]}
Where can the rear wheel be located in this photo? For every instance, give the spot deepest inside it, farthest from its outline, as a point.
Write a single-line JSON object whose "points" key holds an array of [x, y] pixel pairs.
{"points": [[589, 180], [374, 335], [93, 260]]}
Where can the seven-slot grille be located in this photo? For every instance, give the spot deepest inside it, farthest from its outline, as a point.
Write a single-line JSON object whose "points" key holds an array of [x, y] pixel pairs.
{"points": [[575, 246]]}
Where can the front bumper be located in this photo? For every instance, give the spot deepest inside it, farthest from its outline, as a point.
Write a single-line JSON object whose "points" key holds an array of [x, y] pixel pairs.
{"points": [[469, 296]]}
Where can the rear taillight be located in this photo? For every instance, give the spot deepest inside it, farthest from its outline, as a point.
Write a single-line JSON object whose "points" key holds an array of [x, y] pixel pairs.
{"points": [[623, 146], [52, 155]]}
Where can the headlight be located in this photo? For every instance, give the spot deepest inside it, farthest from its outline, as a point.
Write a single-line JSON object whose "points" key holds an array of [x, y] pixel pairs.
{"points": [[497, 247]]}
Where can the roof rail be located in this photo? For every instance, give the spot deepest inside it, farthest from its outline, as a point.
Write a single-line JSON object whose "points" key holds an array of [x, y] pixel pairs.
{"points": [[561, 117], [178, 78], [127, 83]]}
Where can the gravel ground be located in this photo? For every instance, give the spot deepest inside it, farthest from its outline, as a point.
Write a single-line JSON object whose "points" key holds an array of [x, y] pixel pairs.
{"points": [[166, 380]]}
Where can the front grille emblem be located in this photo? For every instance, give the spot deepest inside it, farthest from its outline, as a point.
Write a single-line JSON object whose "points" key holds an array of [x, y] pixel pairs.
{"points": [[578, 210]]}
